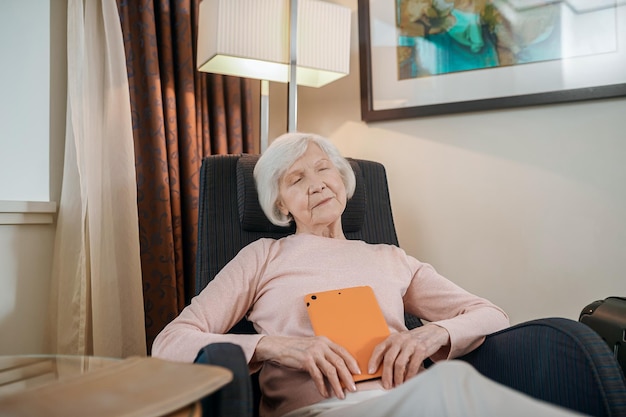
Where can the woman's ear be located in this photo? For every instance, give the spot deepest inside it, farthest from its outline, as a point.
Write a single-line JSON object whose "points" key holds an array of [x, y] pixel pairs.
{"points": [[281, 207]]}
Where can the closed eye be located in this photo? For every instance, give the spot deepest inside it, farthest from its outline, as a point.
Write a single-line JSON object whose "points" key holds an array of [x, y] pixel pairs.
{"points": [[323, 165]]}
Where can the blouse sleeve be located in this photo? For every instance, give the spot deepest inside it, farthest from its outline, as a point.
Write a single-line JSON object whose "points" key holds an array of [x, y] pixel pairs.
{"points": [[467, 317], [219, 306]]}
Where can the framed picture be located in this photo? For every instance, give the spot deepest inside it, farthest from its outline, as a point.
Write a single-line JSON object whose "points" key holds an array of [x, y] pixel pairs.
{"points": [[430, 57]]}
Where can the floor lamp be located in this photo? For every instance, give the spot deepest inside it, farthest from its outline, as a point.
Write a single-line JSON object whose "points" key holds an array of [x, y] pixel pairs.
{"points": [[299, 42]]}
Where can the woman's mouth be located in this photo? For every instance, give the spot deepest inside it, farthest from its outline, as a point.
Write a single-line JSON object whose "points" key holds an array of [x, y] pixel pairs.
{"points": [[321, 202]]}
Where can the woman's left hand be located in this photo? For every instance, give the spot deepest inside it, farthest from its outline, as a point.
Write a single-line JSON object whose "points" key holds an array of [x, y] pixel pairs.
{"points": [[402, 354]]}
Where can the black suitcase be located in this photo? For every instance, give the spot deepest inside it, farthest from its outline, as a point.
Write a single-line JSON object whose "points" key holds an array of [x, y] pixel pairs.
{"points": [[608, 318]]}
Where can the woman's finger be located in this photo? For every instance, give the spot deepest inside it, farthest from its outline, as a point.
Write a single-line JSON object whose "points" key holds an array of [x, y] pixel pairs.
{"points": [[400, 365], [416, 364], [318, 379], [347, 360], [330, 372], [336, 366], [338, 373], [401, 356], [389, 361], [377, 356]]}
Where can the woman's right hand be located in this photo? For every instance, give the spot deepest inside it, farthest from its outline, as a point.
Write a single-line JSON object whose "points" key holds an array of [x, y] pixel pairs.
{"points": [[321, 358]]}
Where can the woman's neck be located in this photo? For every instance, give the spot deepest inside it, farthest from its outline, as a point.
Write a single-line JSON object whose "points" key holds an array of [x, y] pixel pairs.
{"points": [[333, 232]]}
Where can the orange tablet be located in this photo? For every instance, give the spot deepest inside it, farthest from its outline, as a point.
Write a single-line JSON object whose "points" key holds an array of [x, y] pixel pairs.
{"points": [[350, 317]]}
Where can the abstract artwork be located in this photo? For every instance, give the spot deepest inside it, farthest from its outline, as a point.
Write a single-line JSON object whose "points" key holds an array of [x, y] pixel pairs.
{"points": [[424, 57]]}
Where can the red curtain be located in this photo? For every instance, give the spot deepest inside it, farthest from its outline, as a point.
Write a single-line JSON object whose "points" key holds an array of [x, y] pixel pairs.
{"points": [[179, 115]]}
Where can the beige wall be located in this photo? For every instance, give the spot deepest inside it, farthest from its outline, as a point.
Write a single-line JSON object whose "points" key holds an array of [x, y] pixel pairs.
{"points": [[524, 206]]}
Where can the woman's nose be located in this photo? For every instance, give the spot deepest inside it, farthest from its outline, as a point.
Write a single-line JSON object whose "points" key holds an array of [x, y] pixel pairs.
{"points": [[316, 187]]}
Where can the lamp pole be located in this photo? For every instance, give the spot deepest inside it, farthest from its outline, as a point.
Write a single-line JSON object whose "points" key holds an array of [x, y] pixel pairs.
{"points": [[292, 124], [292, 84], [265, 114]]}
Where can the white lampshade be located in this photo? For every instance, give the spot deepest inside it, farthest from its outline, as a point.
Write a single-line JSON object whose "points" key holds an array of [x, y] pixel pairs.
{"points": [[250, 38]]}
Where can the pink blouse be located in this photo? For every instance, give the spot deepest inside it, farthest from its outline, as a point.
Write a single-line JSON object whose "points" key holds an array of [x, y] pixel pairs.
{"points": [[267, 282]]}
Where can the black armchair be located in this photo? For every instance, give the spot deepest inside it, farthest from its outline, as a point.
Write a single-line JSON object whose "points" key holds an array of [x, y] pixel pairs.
{"points": [[557, 360]]}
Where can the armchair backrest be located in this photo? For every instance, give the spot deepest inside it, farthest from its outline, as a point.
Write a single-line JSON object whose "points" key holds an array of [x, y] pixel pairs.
{"points": [[230, 217]]}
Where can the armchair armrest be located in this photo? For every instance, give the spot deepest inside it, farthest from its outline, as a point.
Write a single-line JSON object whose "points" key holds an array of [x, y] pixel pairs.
{"points": [[234, 399], [558, 360]]}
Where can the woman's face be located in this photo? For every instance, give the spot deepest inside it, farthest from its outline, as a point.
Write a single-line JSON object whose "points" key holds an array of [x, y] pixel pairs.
{"points": [[313, 192]]}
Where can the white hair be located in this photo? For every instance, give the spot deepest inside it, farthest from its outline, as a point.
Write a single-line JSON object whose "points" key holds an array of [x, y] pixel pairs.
{"points": [[276, 160]]}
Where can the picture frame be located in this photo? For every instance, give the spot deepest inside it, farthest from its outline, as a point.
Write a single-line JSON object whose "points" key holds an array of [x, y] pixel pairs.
{"points": [[586, 76]]}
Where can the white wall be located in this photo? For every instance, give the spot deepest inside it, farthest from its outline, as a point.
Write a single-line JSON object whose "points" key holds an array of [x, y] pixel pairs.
{"points": [[524, 206], [32, 114]]}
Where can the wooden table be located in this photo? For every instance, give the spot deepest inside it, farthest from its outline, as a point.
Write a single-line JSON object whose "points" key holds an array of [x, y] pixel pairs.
{"points": [[79, 386]]}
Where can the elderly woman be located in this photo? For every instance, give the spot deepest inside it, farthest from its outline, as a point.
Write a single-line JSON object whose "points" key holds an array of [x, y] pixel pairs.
{"points": [[302, 178]]}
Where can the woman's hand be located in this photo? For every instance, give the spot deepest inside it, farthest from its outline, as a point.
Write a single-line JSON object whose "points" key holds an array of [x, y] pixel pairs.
{"points": [[402, 354], [321, 358]]}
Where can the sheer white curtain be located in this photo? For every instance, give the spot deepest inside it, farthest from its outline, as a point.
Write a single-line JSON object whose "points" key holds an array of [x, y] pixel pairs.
{"points": [[97, 301]]}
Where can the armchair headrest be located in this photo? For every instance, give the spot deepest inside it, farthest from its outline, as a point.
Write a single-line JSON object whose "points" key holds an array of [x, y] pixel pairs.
{"points": [[253, 219]]}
